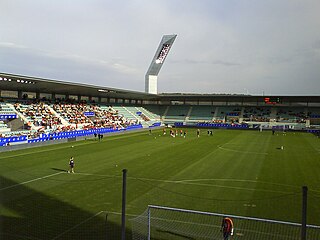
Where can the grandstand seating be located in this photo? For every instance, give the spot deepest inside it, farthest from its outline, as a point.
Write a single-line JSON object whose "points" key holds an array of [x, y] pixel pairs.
{"points": [[124, 112], [158, 110], [202, 113], [231, 114], [37, 114], [74, 113], [313, 113], [148, 118], [257, 114], [5, 108], [177, 112], [93, 116], [290, 114], [3, 125], [150, 115], [61, 117], [7, 113], [228, 111]]}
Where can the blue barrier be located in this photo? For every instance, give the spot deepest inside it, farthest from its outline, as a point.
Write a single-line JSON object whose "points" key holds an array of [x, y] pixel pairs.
{"points": [[8, 140], [8, 116], [215, 125], [313, 131], [13, 139], [223, 125], [157, 124], [233, 114], [62, 135], [133, 127], [280, 127], [89, 114]]}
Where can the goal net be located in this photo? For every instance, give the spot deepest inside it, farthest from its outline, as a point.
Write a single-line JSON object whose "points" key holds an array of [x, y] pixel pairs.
{"points": [[172, 223]]}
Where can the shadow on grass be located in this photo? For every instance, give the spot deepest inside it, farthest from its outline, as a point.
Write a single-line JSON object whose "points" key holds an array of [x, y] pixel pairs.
{"points": [[176, 234], [29, 214]]}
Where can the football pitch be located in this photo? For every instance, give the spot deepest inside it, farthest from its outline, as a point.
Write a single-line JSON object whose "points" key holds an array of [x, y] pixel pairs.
{"points": [[239, 172]]}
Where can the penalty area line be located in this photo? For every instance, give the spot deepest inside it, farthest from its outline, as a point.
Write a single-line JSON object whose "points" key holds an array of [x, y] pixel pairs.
{"points": [[192, 182], [238, 151], [77, 225], [33, 180]]}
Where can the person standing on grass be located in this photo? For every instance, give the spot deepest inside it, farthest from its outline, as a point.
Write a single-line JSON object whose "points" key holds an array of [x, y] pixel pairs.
{"points": [[227, 228], [198, 132], [71, 165]]}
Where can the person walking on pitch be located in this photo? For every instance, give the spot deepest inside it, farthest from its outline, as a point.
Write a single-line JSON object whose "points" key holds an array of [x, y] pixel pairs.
{"points": [[71, 165]]}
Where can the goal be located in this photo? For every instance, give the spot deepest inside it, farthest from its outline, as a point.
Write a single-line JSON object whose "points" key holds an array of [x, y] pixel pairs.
{"points": [[159, 222]]}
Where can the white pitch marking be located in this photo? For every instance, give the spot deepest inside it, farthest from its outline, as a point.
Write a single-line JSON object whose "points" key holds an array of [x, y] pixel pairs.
{"points": [[162, 219], [233, 150], [70, 229], [190, 182], [33, 180], [238, 180], [127, 214]]}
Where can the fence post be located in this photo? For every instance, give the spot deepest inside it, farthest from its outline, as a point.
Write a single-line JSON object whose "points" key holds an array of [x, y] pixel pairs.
{"points": [[304, 213], [106, 226], [149, 223], [123, 217]]}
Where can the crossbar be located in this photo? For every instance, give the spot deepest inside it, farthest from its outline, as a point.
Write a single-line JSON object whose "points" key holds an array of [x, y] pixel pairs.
{"points": [[233, 216]]}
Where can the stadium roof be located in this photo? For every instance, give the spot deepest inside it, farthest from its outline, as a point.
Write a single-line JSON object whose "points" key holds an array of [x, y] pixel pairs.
{"points": [[234, 97], [14, 82]]}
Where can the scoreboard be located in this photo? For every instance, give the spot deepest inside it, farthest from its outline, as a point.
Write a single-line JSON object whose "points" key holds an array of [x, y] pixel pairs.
{"points": [[272, 100]]}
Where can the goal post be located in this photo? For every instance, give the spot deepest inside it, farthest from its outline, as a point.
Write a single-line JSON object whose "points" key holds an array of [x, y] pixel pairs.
{"points": [[159, 222]]}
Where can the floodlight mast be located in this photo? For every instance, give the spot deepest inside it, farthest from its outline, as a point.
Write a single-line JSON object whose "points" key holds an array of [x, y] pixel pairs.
{"points": [[151, 79]]}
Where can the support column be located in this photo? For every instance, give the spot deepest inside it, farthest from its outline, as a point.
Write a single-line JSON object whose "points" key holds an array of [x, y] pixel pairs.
{"points": [[304, 213], [123, 216]]}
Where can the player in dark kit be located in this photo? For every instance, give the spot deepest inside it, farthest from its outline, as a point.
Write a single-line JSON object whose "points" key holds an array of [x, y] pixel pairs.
{"points": [[227, 228], [71, 165], [198, 132]]}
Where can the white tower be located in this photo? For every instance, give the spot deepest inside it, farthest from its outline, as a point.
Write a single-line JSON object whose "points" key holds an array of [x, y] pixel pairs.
{"points": [[151, 80]]}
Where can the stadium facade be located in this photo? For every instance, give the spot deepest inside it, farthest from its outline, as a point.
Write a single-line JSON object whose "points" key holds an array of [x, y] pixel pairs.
{"points": [[47, 105]]}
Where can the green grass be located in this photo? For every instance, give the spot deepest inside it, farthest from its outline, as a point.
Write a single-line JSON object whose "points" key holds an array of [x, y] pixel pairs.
{"points": [[236, 172]]}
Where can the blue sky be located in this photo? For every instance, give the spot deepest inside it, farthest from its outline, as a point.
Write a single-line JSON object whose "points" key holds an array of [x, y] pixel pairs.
{"points": [[234, 46]]}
